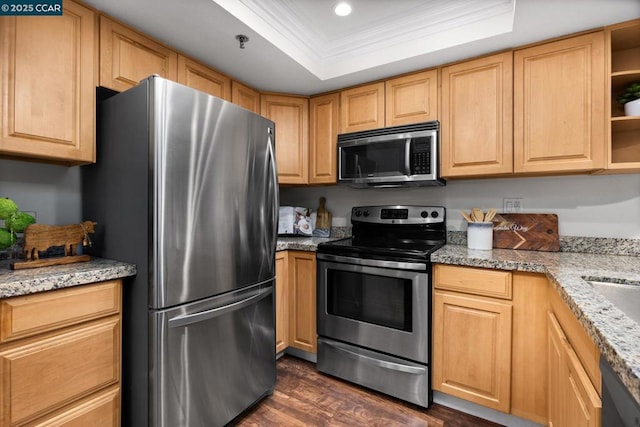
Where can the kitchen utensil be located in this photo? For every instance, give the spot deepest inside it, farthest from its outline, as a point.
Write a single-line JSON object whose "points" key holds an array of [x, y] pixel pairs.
{"points": [[477, 214], [466, 216], [490, 214]]}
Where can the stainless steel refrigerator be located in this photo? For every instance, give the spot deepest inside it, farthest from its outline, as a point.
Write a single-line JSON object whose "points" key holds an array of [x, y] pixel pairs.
{"points": [[185, 187]]}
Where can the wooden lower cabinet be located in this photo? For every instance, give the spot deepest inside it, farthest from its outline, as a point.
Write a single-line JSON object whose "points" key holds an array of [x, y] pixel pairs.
{"points": [[101, 409], [302, 301], [60, 357], [529, 388], [574, 385], [507, 341], [472, 357], [282, 301], [490, 337], [296, 301]]}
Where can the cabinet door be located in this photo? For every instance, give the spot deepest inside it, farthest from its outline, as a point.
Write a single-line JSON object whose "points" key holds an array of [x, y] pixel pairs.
{"points": [[559, 116], [556, 372], [39, 375], [362, 108], [291, 115], [245, 97], [477, 117], [302, 308], [472, 349], [99, 410], [412, 99], [583, 406], [28, 315], [529, 388], [282, 301], [126, 57], [200, 77], [573, 400], [323, 136], [49, 67]]}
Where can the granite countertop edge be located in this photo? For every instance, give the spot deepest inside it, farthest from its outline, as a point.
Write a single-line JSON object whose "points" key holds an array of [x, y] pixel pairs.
{"points": [[616, 335], [29, 281]]}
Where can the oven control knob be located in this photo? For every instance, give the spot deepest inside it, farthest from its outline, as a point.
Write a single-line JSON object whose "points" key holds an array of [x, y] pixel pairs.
{"points": [[424, 214], [434, 214], [366, 214], [358, 213]]}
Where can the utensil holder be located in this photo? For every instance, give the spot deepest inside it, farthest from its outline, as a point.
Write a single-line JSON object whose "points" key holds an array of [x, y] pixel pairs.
{"points": [[480, 235]]}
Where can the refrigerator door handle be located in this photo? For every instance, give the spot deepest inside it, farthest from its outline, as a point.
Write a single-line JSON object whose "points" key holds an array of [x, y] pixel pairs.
{"points": [[187, 319], [274, 176]]}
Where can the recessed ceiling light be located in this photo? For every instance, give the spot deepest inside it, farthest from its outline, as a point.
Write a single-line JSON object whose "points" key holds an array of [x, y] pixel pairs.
{"points": [[342, 9]]}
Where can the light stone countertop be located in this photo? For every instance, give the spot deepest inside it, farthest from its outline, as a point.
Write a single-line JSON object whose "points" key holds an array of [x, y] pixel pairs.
{"points": [[616, 335], [32, 280]]}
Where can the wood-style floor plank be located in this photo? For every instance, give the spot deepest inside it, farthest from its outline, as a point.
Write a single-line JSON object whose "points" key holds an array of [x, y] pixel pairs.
{"points": [[306, 397]]}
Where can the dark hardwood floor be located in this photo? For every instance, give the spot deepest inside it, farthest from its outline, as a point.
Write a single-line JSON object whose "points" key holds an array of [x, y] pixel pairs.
{"points": [[306, 397]]}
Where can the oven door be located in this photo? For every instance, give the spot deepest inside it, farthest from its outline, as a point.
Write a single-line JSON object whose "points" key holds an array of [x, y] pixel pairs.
{"points": [[381, 305]]}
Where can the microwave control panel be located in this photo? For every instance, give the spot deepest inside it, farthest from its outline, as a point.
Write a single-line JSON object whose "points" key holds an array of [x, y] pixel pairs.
{"points": [[421, 156]]}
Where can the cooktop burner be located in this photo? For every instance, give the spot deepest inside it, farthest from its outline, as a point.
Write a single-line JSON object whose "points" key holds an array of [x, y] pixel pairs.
{"points": [[392, 232]]}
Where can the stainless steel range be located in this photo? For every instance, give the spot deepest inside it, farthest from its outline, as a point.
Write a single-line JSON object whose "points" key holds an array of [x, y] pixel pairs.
{"points": [[374, 300]]}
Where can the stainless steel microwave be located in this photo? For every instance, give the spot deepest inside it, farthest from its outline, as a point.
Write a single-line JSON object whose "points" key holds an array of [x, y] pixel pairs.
{"points": [[390, 157]]}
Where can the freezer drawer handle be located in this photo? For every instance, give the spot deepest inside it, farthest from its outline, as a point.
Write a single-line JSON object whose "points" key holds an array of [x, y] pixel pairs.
{"points": [[187, 319], [380, 363]]}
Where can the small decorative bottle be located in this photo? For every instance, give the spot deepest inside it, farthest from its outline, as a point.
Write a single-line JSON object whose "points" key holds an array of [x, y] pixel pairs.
{"points": [[323, 220]]}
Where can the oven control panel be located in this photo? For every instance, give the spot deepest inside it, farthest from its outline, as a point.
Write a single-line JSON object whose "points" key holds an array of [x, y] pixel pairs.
{"points": [[398, 214]]}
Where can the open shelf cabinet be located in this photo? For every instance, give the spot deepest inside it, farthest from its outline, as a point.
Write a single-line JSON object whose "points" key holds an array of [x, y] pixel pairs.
{"points": [[623, 42]]}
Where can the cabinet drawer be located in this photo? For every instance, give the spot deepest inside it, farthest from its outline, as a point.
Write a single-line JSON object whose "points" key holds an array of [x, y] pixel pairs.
{"points": [[99, 410], [28, 315], [45, 374], [477, 281]]}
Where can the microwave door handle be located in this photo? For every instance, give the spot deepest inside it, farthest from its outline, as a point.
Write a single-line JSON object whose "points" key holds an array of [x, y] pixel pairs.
{"points": [[407, 157]]}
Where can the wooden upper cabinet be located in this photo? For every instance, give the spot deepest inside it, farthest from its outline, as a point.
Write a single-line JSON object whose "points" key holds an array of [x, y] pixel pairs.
{"points": [[412, 98], [127, 57], [623, 48], [477, 117], [362, 108], [291, 116], [49, 74], [559, 117], [197, 76], [324, 116], [245, 97]]}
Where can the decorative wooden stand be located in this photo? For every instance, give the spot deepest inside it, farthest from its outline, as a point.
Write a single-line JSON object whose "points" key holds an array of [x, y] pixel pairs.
{"points": [[40, 237], [22, 265]]}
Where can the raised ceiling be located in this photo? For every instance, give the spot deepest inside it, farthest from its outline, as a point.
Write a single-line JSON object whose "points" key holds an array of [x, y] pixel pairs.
{"points": [[299, 46]]}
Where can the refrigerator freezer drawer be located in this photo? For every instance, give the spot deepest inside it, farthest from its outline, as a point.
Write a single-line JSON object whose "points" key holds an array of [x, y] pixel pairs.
{"points": [[390, 375], [213, 358]]}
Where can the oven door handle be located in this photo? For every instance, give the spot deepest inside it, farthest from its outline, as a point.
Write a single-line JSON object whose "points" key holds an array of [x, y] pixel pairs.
{"points": [[417, 266], [377, 362]]}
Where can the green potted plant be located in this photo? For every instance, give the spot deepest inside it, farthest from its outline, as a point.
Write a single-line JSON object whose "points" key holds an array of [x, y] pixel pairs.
{"points": [[630, 98]]}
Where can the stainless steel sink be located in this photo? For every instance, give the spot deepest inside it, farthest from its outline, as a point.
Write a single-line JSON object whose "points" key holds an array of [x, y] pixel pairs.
{"points": [[626, 297]]}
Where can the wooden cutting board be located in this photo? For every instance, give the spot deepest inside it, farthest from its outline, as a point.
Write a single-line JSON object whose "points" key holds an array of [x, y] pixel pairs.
{"points": [[534, 232]]}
